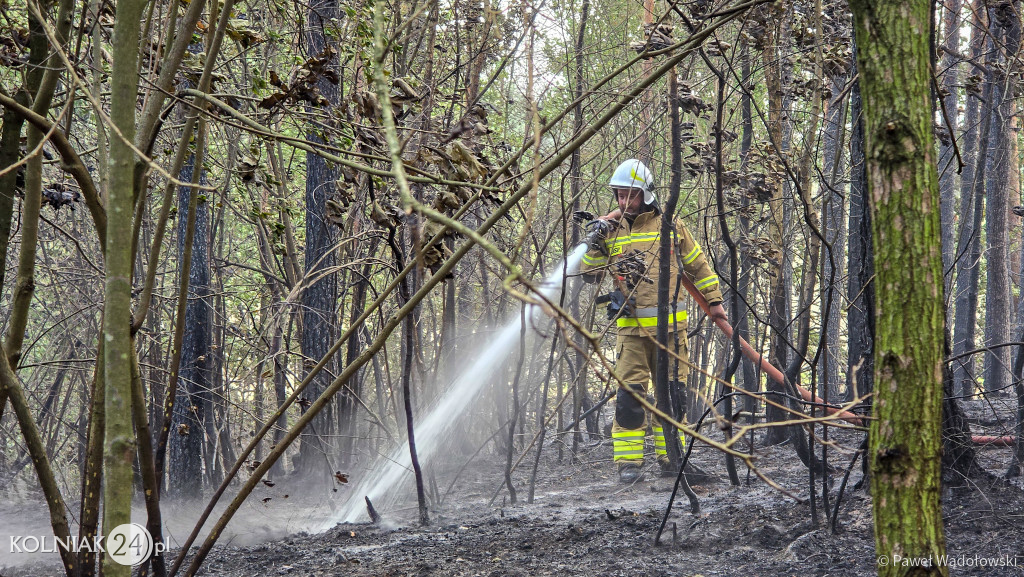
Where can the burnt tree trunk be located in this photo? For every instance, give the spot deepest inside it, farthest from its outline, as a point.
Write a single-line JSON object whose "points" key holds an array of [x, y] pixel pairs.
{"points": [[318, 299], [968, 251], [661, 371], [860, 375], [948, 166], [579, 377], [834, 229], [778, 305], [1005, 28], [748, 372], [347, 432], [185, 473]]}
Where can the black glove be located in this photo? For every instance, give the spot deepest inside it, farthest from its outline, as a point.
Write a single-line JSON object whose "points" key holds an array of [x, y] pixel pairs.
{"points": [[629, 307], [618, 304], [583, 216], [597, 231]]}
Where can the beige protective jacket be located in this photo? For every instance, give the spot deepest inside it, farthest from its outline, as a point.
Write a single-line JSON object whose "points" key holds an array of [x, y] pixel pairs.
{"points": [[641, 241]]}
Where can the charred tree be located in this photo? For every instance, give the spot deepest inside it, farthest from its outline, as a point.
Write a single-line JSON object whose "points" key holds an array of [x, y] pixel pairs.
{"points": [[318, 299], [833, 218], [347, 425], [972, 198], [1016, 466], [748, 373], [1005, 29], [959, 459], [860, 375], [775, 17], [949, 166], [733, 258], [579, 377], [665, 396], [187, 446]]}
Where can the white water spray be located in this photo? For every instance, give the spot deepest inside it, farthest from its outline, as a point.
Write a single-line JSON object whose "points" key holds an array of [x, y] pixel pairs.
{"points": [[381, 483]]}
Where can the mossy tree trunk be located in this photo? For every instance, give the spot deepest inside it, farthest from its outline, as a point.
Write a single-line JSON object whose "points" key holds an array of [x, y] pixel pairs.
{"points": [[906, 435], [119, 442]]}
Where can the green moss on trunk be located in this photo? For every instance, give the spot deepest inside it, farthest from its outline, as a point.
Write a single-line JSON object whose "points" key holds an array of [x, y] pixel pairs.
{"points": [[119, 440], [906, 435]]}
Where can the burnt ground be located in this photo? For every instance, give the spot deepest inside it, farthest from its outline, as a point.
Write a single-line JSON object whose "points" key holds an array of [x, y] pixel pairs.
{"points": [[583, 522]]}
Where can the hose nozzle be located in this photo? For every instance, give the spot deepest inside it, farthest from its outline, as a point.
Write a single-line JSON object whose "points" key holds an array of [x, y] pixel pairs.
{"points": [[597, 231]]}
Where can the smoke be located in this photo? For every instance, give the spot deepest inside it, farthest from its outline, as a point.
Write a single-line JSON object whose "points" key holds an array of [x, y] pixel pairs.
{"points": [[383, 484], [270, 515]]}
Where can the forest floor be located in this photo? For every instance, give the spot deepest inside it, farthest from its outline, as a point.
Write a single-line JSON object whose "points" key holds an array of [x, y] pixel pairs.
{"points": [[583, 522]]}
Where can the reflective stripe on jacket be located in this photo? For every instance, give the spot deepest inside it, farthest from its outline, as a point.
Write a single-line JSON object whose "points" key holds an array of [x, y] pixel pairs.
{"points": [[648, 317], [643, 238]]}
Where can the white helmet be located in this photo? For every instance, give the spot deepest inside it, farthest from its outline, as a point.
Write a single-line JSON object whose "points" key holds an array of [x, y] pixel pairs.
{"points": [[633, 174]]}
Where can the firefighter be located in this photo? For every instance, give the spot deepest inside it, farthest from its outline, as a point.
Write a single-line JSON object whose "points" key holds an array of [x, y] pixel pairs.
{"points": [[629, 251]]}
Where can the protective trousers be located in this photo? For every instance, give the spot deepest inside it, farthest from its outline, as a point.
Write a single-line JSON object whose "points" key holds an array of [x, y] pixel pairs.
{"points": [[635, 366]]}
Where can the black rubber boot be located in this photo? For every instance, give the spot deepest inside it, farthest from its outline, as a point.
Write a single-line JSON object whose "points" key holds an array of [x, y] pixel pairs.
{"points": [[629, 473]]}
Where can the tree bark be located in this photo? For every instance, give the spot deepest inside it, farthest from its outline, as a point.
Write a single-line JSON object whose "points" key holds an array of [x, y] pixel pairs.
{"points": [[748, 372], [147, 467], [10, 144], [579, 378], [187, 446], [860, 375], [10, 141], [92, 467], [834, 225], [905, 445], [968, 252], [320, 296], [1005, 26], [948, 162], [778, 307], [662, 393], [119, 441]]}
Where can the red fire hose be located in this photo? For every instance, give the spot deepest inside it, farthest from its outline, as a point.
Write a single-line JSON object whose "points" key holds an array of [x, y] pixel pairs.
{"points": [[1007, 441], [777, 376], [749, 352]]}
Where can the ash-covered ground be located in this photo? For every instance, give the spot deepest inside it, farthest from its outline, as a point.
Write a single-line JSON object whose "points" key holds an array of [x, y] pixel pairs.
{"points": [[583, 522]]}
